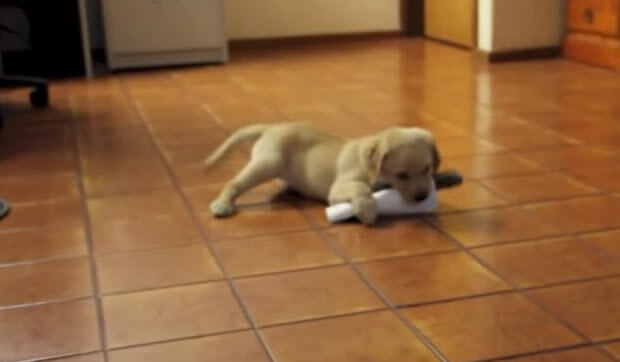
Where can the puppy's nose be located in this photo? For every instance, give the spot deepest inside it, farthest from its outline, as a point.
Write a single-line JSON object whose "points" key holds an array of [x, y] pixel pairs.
{"points": [[420, 196]]}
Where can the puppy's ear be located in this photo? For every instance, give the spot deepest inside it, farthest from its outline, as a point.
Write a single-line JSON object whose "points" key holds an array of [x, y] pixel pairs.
{"points": [[436, 157], [372, 154], [428, 138]]}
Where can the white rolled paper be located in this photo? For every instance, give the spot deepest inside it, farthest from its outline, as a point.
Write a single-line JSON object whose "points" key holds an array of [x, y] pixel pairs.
{"points": [[389, 202]]}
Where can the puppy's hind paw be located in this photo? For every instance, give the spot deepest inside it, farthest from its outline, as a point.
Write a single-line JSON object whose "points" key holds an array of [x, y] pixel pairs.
{"points": [[222, 208]]}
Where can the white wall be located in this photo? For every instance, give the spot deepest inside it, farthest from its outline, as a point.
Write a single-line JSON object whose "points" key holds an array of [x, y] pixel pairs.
{"points": [[252, 19], [519, 24], [485, 25]]}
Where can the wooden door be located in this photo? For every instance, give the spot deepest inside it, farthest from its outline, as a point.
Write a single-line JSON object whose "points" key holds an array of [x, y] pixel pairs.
{"points": [[451, 20]]}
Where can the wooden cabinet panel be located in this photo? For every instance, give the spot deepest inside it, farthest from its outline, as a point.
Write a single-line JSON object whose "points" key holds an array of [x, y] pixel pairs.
{"points": [[596, 16], [593, 49]]}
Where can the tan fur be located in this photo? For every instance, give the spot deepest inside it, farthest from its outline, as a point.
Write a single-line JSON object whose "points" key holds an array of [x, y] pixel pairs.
{"points": [[242, 135], [329, 168]]}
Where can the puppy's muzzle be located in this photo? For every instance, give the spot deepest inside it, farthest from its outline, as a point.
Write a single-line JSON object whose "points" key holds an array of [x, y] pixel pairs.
{"points": [[420, 196]]}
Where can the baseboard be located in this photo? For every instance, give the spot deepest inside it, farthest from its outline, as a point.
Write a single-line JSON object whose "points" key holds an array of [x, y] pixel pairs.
{"points": [[521, 54], [239, 44], [166, 58], [450, 43]]}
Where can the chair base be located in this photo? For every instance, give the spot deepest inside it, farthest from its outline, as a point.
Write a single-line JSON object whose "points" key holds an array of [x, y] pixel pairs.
{"points": [[39, 97], [5, 208]]}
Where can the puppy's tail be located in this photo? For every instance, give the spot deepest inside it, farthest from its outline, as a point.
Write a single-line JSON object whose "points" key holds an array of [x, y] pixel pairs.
{"points": [[241, 135]]}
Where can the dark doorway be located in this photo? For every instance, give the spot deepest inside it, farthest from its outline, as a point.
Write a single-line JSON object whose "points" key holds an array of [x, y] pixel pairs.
{"points": [[412, 17], [55, 40]]}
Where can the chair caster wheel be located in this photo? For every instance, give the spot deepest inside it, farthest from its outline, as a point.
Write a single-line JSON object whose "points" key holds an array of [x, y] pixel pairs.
{"points": [[39, 97], [5, 208]]}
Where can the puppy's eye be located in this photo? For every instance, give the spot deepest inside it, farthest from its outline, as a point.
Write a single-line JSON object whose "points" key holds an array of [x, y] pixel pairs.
{"points": [[404, 176]]}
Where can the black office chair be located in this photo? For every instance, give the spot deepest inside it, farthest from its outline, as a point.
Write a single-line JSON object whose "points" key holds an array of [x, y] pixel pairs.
{"points": [[39, 97], [14, 24], [4, 208]]}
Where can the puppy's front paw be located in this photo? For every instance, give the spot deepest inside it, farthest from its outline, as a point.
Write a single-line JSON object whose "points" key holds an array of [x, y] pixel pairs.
{"points": [[222, 208], [365, 210]]}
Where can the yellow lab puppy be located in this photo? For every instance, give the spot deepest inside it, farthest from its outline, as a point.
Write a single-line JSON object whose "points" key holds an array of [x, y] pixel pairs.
{"points": [[329, 168]]}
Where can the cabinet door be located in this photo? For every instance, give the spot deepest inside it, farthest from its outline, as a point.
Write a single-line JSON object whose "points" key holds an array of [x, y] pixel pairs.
{"points": [[451, 20], [597, 16], [142, 26]]}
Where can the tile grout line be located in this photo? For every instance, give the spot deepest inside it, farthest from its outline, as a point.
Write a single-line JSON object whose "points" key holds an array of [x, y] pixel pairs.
{"points": [[44, 302], [360, 273], [562, 232], [570, 141], [59, 356], [523, 292], [507, 203], [563, 348], [21, 229], [104, 195], [180, 339], [595, 248], [42, 261], [183, 244], [198, 336], [50, 200], [320, 230], [406, 305], [146, 344], [88, 234], [325, 317], [596, 345], [210, 116], [526, 208], [508, 291], [198, 225], [512, 202], [286, 271], [99, 255], [535, 353], [513, 152]]}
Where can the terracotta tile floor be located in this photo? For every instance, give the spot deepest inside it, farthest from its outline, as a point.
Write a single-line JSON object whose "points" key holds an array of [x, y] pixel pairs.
{"points": [[110, 253]]}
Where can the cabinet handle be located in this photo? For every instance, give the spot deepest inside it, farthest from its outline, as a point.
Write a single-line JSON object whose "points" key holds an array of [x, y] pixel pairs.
{"points": [[588, 16]]}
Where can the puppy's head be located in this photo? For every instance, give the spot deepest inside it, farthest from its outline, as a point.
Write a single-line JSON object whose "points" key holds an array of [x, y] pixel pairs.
{"points": [[405, 158]]}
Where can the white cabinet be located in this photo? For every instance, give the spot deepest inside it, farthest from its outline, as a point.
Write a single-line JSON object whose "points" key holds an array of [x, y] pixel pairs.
{"points": [[142, 33]]}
